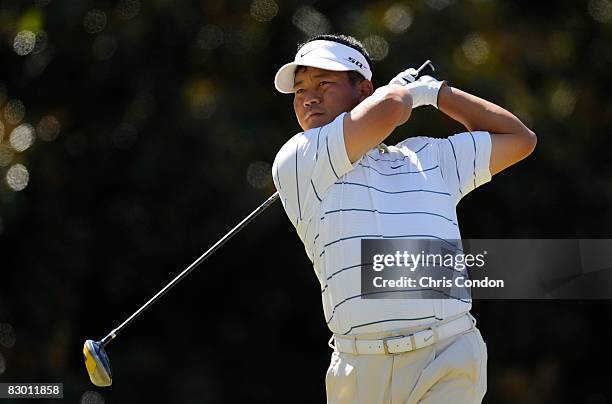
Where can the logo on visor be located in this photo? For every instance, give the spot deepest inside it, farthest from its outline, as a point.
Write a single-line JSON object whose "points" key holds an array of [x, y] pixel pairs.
{"points": [[356, 62], [302, 54]]}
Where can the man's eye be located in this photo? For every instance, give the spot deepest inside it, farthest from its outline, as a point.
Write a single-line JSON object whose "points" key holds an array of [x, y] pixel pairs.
{"points": [[323, 82], [299, 91]]}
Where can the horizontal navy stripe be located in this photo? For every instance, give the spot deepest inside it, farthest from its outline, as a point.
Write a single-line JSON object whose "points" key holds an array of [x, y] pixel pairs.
{"points": [[389, 213], [391, 319], [393, 291], [352, 237], [338, 271], [390, 174], [424, 236], [390, 192]]}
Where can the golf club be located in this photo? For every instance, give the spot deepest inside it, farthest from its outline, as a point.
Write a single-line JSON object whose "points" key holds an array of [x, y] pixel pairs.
{"points": [[96, 359]]}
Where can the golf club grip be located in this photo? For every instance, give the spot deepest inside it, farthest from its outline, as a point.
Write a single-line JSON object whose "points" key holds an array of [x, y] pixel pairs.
{"points": [[191, 267]]}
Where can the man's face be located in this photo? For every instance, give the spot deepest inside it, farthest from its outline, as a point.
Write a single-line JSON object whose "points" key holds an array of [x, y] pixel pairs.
{"points": [[321, 95]]}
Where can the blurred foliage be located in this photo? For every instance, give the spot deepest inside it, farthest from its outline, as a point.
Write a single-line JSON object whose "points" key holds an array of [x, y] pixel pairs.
{"points": [[134, 134]]}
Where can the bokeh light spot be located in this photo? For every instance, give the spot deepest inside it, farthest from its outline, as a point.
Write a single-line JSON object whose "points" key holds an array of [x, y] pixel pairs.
{"points": [[17, 178], [310, 21], [259, 174], [127, 9], [263, 10], [48, 128], [476, 49], [24, 42], [6, 155], [209, 37], [14, 111], [377, 47], [22, 137], [91, 397], [104, 47], [398, 18], [94, 21], [563, 101], [7, 335], [600, 10]]}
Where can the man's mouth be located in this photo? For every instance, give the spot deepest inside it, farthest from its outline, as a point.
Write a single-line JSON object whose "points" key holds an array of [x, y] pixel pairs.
{"points": [[312, 114]]}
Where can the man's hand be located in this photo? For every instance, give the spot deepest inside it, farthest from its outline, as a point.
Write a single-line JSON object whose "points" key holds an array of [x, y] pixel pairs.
{"points": [[406, 77], [424, 91]]}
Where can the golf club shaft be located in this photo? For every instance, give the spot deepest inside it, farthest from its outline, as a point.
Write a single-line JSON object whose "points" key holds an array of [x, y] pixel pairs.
{"points": [[187, 270]]}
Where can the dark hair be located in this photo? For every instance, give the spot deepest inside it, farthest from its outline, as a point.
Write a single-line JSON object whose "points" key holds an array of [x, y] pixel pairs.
{"points": [[353, 75]]}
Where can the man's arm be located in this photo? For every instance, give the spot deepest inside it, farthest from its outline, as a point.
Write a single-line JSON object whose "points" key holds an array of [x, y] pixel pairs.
{"points": [[511, 140], [371, 121]]}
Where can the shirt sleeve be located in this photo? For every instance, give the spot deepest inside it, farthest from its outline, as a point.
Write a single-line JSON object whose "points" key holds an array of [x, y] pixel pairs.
{"points": [[464, 161], [307, 165]]}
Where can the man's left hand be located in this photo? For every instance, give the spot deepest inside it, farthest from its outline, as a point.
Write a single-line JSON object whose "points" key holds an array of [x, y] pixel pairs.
{"points": [[424, 91]]}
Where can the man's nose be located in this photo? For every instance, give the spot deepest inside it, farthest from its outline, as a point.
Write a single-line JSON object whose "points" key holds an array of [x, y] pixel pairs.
{"points": [[312, 98]]}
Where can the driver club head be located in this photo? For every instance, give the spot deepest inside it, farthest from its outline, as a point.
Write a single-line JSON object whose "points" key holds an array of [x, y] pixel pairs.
{"points": [[97, 364]]}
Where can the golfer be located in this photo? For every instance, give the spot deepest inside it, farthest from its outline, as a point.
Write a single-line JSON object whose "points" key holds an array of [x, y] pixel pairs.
{"points": [[339, 184]]}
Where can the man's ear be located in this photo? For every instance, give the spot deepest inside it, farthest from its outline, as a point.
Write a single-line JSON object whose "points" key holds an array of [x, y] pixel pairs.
{"points": [[366, 89]]}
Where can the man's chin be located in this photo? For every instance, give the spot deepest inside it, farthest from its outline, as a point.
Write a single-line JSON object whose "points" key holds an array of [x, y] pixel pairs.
{"points": [[317, 121]]}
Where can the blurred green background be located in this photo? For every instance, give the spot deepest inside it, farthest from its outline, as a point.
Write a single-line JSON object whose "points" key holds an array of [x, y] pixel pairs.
{"points": [[134, 134]]}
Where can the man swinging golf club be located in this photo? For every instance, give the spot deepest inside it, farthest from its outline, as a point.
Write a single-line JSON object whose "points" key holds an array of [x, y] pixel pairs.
{"points": [[339, 185]]}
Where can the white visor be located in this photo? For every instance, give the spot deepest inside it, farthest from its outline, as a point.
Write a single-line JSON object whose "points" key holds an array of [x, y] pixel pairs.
{"points": [[326, 55]]}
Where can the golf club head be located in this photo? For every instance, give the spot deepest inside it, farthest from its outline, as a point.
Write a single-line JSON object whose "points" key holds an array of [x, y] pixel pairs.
{"points": [[97, 364]]}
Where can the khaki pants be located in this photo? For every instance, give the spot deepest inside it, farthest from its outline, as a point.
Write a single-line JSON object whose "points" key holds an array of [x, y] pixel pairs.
{"points": [[453, 370]]}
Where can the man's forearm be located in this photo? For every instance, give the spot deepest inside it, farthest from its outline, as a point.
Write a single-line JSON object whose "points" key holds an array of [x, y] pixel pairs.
{"points": [[476, 113], [511, 140]]}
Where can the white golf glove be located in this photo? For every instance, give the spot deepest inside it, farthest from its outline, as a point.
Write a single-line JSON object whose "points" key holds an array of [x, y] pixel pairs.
{"points": [[424, 91]]}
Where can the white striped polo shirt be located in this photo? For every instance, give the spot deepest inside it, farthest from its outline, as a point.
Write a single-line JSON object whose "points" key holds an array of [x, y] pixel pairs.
{"points": [[410, 192]]}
